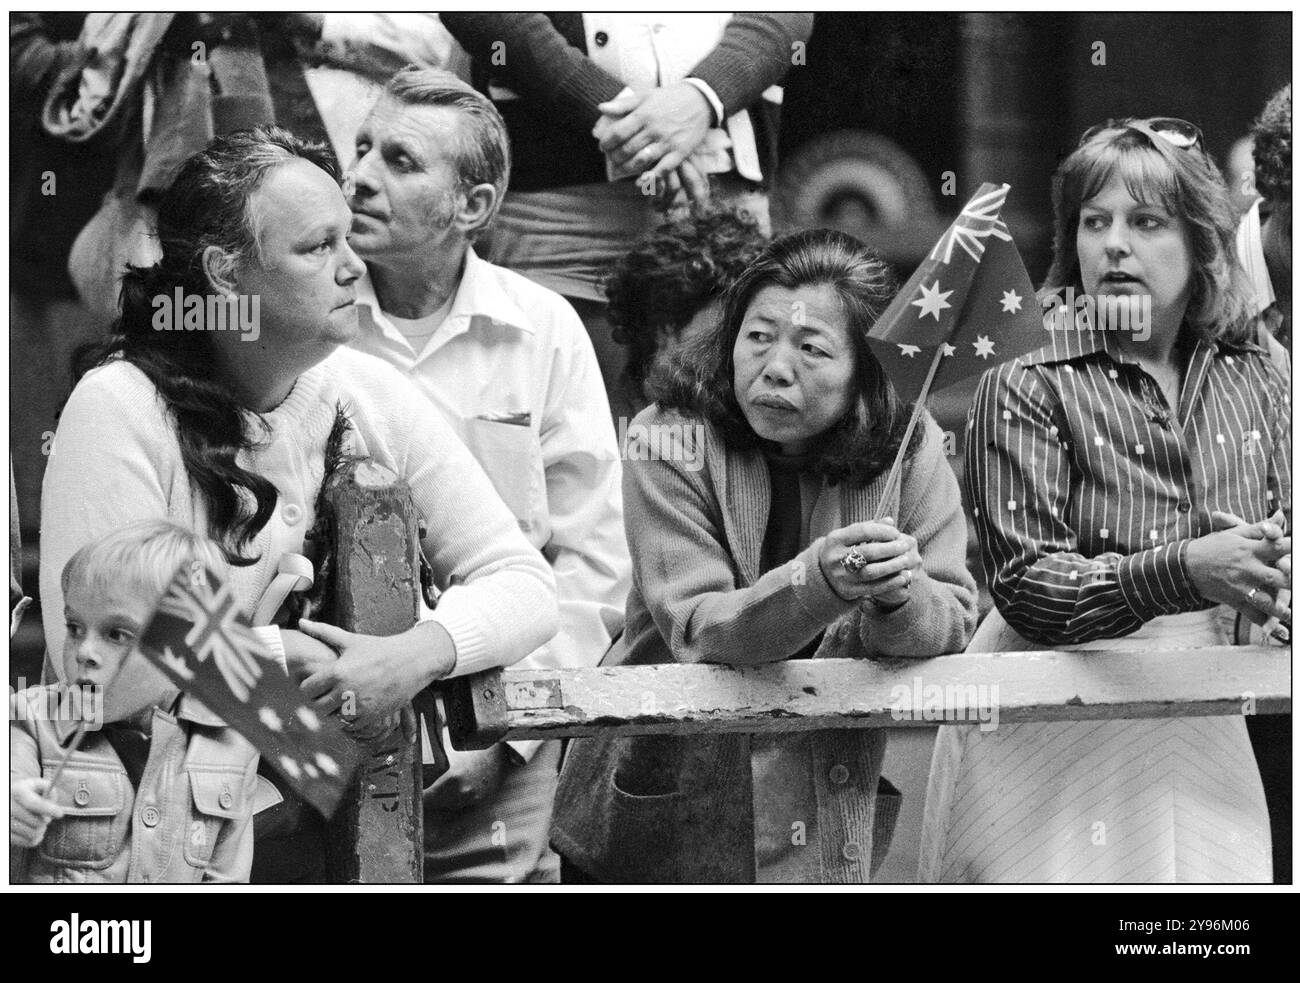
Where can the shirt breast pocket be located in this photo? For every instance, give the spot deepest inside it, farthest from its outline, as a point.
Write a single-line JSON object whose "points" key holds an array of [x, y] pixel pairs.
{"points": [[218, 798], [92, 832], [512, 458]]}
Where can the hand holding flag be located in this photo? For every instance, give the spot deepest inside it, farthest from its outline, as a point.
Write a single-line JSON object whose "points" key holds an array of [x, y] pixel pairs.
{"points": [[202, 641]]}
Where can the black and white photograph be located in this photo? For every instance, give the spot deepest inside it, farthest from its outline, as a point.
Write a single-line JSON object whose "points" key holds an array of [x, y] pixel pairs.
{"points": [[683, 451]]}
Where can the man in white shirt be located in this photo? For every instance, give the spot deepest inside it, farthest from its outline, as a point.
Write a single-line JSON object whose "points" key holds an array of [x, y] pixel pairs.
{"points": [[512, 369]]}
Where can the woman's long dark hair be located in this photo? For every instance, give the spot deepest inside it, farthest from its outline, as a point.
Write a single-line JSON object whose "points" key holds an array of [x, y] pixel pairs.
{"points": [[700, 380], [207, 205]]}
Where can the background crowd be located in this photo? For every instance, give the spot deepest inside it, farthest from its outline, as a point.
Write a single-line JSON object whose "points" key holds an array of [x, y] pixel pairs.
{"points": [[548, 223]]}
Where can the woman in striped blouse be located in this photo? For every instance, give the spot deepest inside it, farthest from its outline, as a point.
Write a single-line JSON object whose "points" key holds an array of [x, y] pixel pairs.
{"points": [[1124, 482]]}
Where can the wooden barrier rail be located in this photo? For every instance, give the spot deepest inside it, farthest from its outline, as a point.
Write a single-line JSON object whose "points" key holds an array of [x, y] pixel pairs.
{"points": [[377, 837], [821, 694]]}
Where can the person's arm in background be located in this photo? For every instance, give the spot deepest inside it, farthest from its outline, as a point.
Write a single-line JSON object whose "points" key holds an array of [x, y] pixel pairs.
{"points": [[375, 45], [35, 58], [660, 129], [526, 52], [755, 52], [939, 615]]}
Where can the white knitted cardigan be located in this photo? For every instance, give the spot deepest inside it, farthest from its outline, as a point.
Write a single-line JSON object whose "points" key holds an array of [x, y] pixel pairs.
{"points": [[116, 459]]}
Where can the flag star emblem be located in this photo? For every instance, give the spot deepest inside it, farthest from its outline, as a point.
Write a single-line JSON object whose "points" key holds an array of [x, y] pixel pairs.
{"points": [[909, 351], [983, 346], [270, 718], [948, 350], [932, 300], [309, 719], [290, 766], [326, 763], [1011, 302]]}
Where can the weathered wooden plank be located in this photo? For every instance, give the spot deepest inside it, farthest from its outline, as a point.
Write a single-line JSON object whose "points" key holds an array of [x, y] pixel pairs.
{"points": [[816, 694], [377, 836]]}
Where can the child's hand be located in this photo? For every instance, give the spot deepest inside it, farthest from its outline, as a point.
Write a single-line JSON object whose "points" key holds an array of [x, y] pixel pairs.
{"points": [[29, 812]]}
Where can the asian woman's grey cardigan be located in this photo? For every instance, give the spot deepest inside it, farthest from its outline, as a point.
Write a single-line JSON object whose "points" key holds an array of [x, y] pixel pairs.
{"points": [[679, 809]]}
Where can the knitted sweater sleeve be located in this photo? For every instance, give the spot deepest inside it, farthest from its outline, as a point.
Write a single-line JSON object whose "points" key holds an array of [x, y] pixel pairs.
{"points": [[112, 462], [530, 55], [498, 601], [755, 52]]}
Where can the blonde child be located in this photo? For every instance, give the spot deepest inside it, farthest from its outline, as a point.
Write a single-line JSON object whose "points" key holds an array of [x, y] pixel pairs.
{"points": [[160, 790]]}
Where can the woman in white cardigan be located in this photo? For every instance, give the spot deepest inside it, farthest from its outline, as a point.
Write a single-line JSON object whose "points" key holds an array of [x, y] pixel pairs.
{"points": [[221, 423]]}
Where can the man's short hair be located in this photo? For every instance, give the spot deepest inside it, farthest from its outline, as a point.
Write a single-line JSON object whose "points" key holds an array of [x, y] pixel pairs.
{"points": [[1272, 133], [482, 146]]}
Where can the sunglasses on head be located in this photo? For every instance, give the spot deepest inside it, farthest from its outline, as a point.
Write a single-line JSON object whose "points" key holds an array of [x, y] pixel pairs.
{"points": [[1176, 132]]}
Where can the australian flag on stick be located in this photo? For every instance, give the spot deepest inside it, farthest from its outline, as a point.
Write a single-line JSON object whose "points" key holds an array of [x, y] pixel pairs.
{"points": [[969, 306], [202, 641]]}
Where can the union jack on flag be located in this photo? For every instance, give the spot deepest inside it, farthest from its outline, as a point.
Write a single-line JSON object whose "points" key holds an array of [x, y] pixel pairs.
{"points": [[200, 638], [217, 634], [961, 312], [977, 221]]}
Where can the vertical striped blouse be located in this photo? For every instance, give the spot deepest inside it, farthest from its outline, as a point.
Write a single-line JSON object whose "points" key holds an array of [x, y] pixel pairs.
{"points": [[1086, 488]]}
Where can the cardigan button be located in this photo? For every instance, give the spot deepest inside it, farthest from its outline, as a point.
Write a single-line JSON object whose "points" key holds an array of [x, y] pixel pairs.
{"points": [[852, 852], [602, 39], [150, 816], [291, 514], [82, 796], [839, 774], [225, 799]]}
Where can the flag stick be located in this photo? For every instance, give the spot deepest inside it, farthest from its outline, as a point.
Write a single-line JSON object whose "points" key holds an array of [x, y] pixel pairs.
{"points": [[80, 733], [63, 761], [896, 471]]}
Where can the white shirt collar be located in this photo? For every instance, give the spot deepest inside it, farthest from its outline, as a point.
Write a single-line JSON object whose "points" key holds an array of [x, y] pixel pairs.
{"points": [[479, 296]]}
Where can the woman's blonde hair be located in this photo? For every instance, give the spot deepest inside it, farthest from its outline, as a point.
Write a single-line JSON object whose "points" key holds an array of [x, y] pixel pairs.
{"points": [[1186, 183]]}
